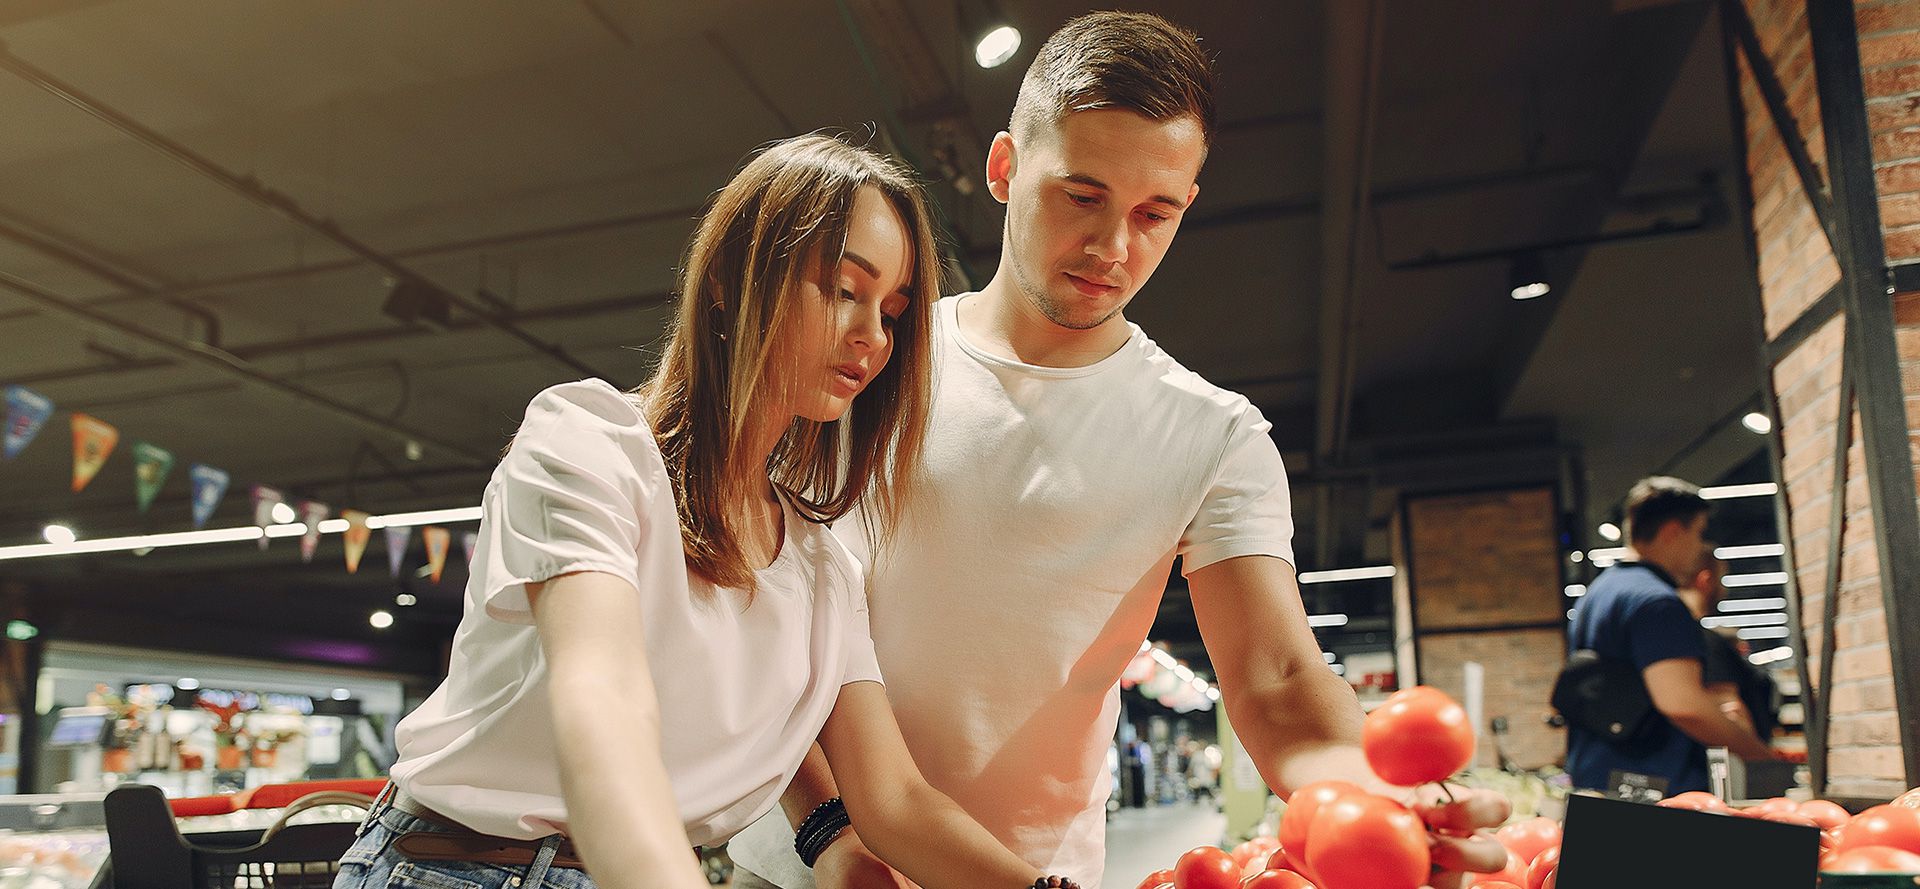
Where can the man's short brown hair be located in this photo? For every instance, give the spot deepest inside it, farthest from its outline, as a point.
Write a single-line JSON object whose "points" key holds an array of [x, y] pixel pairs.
{"points": [[1130, 60], [1660, 499]]}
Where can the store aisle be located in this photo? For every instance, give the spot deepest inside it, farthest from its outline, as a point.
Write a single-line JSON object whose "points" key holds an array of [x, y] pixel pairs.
{"points": [[1141, 841]]}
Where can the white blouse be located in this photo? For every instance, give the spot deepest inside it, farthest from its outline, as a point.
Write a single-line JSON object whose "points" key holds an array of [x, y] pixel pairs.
{"points": [[743, 691]]}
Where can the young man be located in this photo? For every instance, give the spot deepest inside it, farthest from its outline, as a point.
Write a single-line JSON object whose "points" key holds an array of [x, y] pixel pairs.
{"points": [[1069, 461], [1633, 613]]}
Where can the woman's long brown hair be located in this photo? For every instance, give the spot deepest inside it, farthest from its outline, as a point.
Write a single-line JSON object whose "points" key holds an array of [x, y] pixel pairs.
{"points": [[785, 216]]}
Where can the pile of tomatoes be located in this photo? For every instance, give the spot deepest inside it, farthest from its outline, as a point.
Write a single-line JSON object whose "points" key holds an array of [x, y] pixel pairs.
{"points": [[1335, 835], [1881, 840]]}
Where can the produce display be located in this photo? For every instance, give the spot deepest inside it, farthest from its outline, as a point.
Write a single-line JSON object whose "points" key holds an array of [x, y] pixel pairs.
{"points": [[1336, 835]]}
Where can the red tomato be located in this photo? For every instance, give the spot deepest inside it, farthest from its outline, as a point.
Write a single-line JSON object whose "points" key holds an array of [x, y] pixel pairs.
{"points": [[1279, 861], [1894, 826], [1418, 735], [1529, 838], [1494, 884], [1515, 872], [1540, 872], [1276, 879], [1253, 851], [1872, 860], [1826, 813], [1788, 817], [1295, 821], [1697, 800], [1206, 867], [1156, 878], [1553, 878], [1368, 842], [1910, 799]]}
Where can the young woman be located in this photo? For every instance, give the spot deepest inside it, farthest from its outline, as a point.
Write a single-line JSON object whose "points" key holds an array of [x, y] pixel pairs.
{"points": [[658, 623]]}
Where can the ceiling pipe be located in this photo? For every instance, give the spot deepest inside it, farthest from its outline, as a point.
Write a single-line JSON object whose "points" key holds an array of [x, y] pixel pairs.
{"points": [[252, 190]]}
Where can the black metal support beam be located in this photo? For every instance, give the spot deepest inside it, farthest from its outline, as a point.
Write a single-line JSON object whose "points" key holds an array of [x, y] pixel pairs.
{"points": [[1763, 374], [1871, 350], [1820, 716], [1734, 12], [1816, 316]]}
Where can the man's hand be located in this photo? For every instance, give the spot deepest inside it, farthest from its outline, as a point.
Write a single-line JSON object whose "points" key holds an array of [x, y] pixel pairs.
{"points": [[846, 864], [1462, 842]]}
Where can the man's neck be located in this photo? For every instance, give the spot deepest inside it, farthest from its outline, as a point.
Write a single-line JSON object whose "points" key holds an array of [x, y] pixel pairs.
{"points": [[1005, 323], [1673, 571]]}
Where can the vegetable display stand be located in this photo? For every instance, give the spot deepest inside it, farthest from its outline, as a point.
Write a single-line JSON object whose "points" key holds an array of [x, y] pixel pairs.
{"points": [[147, 851]]}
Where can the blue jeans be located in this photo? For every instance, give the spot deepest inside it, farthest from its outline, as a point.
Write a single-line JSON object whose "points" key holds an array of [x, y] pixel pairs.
{"points": [[373, 863]]}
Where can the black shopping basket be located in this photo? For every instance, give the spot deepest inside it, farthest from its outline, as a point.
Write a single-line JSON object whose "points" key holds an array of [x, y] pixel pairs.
{"points": [[147, 851]]}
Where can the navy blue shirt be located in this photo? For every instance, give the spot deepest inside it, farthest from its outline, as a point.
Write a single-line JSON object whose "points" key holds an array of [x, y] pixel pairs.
{"points": [[1631, 613]]}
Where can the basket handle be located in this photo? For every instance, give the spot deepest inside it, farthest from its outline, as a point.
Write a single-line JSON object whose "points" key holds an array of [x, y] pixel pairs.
{"points": [[312, 800]]}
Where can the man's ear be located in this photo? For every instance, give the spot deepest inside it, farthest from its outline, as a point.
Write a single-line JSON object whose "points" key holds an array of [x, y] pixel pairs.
{"points": [[1000, 164]]}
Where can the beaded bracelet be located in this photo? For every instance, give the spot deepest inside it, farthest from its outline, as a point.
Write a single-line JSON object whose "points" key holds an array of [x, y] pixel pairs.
{"points": [[1054, 882], [819, 829]]}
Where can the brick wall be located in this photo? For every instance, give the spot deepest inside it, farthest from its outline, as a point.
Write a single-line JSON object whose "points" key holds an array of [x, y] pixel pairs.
{"points": [[1484, 579], [1795, 268]]}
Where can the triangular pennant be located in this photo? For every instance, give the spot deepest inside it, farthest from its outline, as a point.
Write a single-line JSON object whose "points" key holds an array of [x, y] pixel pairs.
{"points": [[93, 440], [264, 501], [27, 411], [397, 547], [437, 541], [151, 465], [356, 537], [312, 513], [209, 485], [468, 541]]}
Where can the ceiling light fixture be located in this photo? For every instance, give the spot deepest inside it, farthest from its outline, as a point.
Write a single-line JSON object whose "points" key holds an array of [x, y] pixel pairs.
{"points": [[1527, 279]]}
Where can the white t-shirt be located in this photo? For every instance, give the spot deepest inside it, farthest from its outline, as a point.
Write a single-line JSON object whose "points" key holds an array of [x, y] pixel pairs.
{"points": [[742, 692], [1030, 571]]}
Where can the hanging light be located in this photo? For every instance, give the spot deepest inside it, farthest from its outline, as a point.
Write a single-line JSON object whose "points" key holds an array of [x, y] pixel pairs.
{"points": [[1757, 423], [1528, 277], [997, 46]]}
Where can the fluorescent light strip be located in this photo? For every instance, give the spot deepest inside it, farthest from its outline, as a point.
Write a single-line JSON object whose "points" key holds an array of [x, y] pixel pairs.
{"points": [[1764, 633], [1766, 619], [429, 517], [1769, 578], [1372, 573], [1773, 604], [1760, 658], [1607, 553], [229, 535], [1756, 551], [1727, 492], [1575, 590], [1326, 620]]}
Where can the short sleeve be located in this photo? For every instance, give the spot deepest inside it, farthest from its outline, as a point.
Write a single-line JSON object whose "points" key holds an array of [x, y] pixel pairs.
{"points": [[573, 493], [1662, 628], [1247, 510], [863, 664]]}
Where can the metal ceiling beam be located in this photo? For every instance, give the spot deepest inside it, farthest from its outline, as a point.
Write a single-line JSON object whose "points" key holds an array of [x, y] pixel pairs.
{"points": [[87, 259], [1353, 62], [360, 337], [227, 363], [467, 245], [251, 189]]}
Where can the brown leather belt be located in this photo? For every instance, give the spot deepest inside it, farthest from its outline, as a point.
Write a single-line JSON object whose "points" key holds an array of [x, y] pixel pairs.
{"points": [[461, 843]]}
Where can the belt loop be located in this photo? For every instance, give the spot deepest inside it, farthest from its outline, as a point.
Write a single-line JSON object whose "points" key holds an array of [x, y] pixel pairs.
{"points": [[542, 860], [373, 812]]}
